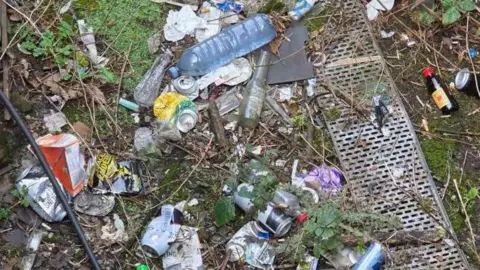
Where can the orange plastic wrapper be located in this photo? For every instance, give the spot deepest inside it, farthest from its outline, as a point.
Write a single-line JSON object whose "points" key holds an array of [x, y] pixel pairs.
{"points": [[65, 159]]}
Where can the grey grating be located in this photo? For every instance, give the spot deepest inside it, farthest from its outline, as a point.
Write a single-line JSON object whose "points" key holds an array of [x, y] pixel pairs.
{"points": [[376, 165]]}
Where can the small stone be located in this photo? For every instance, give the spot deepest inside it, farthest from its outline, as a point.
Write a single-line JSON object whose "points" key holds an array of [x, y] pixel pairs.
{"points": [[16, 237], [216, 239]]}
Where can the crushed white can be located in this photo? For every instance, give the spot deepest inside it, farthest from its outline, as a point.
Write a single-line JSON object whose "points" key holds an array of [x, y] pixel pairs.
{"points": [[160, 233]]}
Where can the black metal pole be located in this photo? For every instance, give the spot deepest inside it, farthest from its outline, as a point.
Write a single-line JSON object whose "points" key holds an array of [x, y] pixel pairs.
{"points": [[53, 180]]}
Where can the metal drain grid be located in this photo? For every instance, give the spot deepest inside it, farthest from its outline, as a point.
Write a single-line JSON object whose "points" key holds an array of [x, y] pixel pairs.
{"points": [[380, 169]]}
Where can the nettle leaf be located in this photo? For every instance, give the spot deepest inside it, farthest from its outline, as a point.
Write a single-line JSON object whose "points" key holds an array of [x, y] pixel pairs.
{"points": [[328, 233], [224, 210], [466, 5], [319, 232], [318, 250], [450, 16]]}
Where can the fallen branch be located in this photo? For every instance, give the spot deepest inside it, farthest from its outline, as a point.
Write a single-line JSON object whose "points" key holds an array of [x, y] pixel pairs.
{"points": [[216, 125]]}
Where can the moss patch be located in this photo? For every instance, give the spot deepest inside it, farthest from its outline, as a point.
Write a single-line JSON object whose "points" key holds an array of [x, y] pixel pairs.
{"points": [[437, 153], [333, 114], [316, 19], [79, 112], [273, 6]]}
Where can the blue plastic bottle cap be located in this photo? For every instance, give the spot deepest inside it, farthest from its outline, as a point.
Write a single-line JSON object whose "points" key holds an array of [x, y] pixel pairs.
{"points": [[174, 72]]}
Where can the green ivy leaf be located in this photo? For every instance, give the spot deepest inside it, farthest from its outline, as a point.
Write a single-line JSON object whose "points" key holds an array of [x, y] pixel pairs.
{"points": [[16, 194], [67, 50], [426, 18], [4, 213], [472, 194], [65, 30], [28, 45], [67, 77], [224, 210], [319, 232], [446, 4], [466, 5], [318, 250], [327, 233], [60, 60], [25, 203], [47, 40], [37, 52], [107, 75], [244, 192], [450, 16]]}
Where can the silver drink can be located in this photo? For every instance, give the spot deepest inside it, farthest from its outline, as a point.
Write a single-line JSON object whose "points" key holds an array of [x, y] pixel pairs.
{"points": [[187, 86], [275, 221], [186, 120], [465, 82]]}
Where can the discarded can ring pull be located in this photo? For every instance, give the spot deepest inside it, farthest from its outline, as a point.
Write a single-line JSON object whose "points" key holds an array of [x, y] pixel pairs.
{"points": [[187, 86]]}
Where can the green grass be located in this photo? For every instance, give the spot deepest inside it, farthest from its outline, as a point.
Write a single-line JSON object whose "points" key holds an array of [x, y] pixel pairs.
{"points": [[123, 23], [77, 111]]}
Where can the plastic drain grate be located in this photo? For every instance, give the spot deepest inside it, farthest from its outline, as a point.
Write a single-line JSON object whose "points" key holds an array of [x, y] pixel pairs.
{"points": [[382, 169]]}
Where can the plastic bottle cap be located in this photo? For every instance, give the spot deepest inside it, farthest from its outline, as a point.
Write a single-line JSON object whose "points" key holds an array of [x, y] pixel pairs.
{"points": [[428, 72], [302, 217], [174, 72], [143, 267]]}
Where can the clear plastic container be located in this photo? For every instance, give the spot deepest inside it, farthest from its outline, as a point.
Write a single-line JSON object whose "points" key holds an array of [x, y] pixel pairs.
{"points": [[221, 49], [254, 94], [290, 201]]}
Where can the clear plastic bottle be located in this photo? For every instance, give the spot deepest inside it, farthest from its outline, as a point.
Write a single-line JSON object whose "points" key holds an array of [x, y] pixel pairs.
{"points": [[221, 49], [254, 94], [290, 201]]}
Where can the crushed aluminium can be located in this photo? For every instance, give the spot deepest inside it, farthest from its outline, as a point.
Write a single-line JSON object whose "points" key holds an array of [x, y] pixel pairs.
{"points": [[250, 233], [372, 259], [178, 109], [275, 220], [187, 86], [40, 194], [162, 231], [465, 82]]}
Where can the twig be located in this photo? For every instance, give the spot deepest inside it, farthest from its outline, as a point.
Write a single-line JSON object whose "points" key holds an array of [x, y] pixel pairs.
{"points": [[23, 15], [467, 219], [223, 266], [463, 167], [4, 23], [121, 79], [469, 56], [426, 44]]}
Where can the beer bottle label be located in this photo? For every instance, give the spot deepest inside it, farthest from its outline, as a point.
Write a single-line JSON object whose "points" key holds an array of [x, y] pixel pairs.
{"points": [[440, 98]]}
